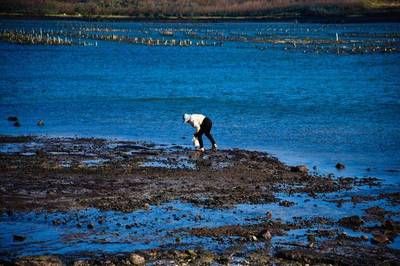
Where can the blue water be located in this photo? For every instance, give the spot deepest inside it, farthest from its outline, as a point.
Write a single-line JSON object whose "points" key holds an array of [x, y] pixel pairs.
{"points": [[161, 225], [310, 108]]}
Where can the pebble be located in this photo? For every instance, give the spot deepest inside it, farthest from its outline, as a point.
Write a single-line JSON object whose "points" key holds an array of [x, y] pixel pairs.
{"points": [[136, 259], [286, 203], [81, 263], [299, 169], [388, 225], [18, 238], [40, 123], [191, 252], [56, 222], [12, 118], [380, 239], [267, 235], [340, 166]]}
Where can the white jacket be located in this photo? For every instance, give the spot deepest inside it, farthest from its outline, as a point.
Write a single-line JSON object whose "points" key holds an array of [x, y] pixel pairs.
{"points": [[194, 120]]}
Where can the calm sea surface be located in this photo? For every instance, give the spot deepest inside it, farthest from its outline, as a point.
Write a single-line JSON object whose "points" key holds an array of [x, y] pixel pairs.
{"points": [[300, 103]]}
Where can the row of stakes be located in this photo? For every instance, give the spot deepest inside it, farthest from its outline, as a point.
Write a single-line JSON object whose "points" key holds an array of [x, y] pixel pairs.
{"points": [[21, 37], [39, 37], [341, 49], [149, 41]]}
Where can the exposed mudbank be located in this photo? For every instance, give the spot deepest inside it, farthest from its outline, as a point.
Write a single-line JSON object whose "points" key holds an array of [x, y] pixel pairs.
{"points": [[98, 201]]}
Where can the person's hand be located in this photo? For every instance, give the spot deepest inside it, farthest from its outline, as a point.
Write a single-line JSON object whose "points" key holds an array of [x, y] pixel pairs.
{"points": [[196, 142]]}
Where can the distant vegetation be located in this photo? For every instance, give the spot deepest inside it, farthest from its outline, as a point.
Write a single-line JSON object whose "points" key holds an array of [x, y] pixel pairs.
{"points": [[197, 8]]}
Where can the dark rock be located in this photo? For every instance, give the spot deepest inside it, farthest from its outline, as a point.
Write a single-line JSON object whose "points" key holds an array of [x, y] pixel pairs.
{"points": [[18, 238], [376, 212], [90, 226], [224, 260], [40, 153], [342, 235], [266, 234], [198, 218], [40, 123], [340, 166], [101, 220], [12, 118], [128, 226], [388, 225], [299, 169], [286, 203], [380, 239], [351, 221], [311, 238], [56, 222]]}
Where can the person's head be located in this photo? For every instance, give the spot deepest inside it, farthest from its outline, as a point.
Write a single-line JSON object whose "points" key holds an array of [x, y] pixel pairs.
{"points": [[186, 118]]}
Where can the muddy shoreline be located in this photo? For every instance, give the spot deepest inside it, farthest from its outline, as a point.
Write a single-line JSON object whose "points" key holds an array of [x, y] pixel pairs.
{"points": [[49, 176]]}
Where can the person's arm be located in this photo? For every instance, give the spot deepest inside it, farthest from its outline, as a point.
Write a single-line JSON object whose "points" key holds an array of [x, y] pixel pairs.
{"points": [[197, 127]]}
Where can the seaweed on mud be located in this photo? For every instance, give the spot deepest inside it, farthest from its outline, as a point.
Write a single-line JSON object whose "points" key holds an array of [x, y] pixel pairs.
{"points": [[67, 174]]}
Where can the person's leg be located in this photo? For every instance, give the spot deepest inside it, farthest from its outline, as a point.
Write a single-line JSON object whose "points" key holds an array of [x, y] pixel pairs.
{"points": [[206, 126], [210, 137]]}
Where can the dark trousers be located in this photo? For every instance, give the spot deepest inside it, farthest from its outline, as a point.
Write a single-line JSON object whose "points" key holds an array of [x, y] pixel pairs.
{"points": [[205, 128]]}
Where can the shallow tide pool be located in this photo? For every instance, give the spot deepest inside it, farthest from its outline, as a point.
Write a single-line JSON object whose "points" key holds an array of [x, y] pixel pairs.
{"points": [[92, 231]]}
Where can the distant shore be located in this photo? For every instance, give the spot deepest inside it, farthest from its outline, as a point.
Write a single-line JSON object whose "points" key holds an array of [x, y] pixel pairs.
{"points": [[373, 16]]}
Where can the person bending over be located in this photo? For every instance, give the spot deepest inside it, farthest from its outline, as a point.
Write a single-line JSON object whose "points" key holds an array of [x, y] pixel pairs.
{"points": [[203, 125]]}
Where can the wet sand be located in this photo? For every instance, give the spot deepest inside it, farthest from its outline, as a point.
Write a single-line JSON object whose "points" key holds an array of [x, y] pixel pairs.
{"points": [[297, 216]]}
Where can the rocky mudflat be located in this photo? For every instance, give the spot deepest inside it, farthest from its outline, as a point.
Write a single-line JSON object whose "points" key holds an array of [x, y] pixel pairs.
{"points": [[86, 201]]}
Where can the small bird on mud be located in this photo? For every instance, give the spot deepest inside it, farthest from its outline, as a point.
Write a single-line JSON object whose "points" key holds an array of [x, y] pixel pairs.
{"points": [[203, 125]]}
